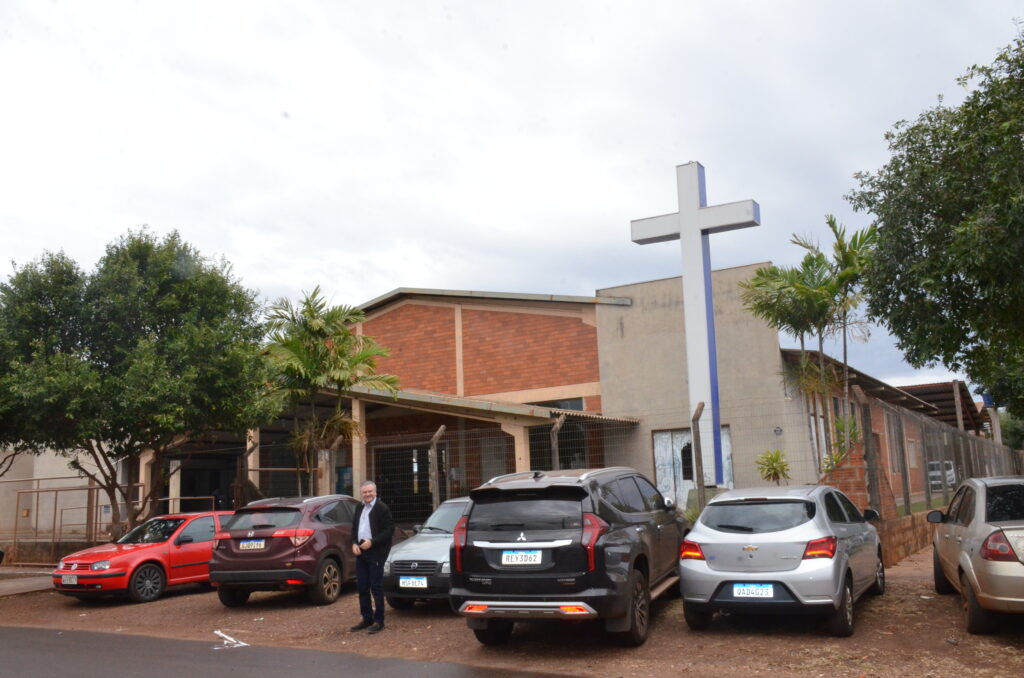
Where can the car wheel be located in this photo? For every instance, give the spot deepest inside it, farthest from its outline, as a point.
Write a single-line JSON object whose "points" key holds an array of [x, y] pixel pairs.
{"points": [[840, 622], [697, 618], [942, 584], [498, 632], [401, 603], [147, 583], [878, 588], [639, 611], [978, 619], [231, 597], [327, 585]]}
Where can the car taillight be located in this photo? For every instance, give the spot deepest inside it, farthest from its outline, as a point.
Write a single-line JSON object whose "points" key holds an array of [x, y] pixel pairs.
{"points": [[690, 550], [997, 547], [219, 537], [593, 528], [459, 539], [298, 535], [820, 548]]}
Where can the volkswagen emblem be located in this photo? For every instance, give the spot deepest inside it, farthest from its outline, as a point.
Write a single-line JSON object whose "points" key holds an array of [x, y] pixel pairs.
{"points": [[521, 537]]}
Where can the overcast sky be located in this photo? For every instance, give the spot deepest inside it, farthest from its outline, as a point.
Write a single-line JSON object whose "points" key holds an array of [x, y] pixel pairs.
{"points": [[499, 146]]}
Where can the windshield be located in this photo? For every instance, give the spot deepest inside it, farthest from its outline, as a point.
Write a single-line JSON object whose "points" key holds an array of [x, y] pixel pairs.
{"points": [[263, 518], [444, 518], [1005, 502], [525, 511], [757, 517], [152, 531]]}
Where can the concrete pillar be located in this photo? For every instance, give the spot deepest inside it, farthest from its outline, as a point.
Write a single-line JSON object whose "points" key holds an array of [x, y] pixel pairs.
{"points": [[360, 468], [997, 429], [521, 443], [174, 487], [252, 455]]}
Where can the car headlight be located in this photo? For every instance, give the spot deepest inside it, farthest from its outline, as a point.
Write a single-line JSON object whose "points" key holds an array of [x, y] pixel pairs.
{"points": [[445, 568], [100, 565], [387, 567]]}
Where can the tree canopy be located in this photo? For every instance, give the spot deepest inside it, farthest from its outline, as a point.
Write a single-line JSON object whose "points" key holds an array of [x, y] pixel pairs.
{"points": [[156, 347], [947, 275]]}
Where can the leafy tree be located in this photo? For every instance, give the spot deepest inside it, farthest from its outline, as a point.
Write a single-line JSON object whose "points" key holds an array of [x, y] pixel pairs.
{"points": [[156, 347], [315, 349], [947, 276], [1013, 430]]}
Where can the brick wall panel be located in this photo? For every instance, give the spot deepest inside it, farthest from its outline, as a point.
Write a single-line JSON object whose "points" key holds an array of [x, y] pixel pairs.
{"points": [[422, 344]]}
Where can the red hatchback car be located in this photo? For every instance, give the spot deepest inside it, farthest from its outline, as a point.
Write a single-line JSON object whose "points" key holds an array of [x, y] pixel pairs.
{"points": [[161, 552]]}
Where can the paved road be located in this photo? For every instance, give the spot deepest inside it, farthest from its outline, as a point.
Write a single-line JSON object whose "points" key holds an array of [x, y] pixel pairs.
{"points": [[27, 653]]}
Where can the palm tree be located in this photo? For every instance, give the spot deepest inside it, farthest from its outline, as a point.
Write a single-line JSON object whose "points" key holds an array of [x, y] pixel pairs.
{"points": [[849, 260], [315, 349]]}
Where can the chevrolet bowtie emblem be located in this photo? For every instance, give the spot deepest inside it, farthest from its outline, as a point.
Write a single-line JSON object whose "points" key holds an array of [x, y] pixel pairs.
{"points": [[522, 536], [749, 549]]}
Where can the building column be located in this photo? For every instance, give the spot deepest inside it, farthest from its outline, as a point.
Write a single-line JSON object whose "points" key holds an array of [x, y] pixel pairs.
{"points": [[174, 487], [360, 468], [521, 443], [252, 455]]}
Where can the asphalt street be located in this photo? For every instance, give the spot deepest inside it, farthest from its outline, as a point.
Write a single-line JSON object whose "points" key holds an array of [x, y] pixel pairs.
{"points": [[28, 653]]}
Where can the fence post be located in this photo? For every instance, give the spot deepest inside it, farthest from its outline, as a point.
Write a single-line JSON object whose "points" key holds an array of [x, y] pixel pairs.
{"points": [[871, 460], [698, 457], [435, 476]]}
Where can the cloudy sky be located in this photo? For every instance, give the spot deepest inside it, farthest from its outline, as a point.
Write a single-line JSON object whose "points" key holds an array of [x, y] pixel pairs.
{"points": [[500, 146]]}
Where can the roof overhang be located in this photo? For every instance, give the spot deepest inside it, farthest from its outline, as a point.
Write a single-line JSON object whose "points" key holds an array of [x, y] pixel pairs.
{"points": [[404, 292]]}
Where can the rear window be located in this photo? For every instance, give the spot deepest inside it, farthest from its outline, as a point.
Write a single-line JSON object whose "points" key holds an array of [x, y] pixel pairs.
{"points": [[757, 517], [263, 518], [501, 511], [1004, 502]]}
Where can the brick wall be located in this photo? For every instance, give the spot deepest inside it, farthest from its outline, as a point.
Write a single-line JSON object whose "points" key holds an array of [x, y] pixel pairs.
{"points": [[518, 351], [422, 344], [904, 536]]}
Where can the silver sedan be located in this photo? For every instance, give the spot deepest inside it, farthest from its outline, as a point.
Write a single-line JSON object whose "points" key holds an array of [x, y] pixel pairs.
{"points": [[979, 548], [804, 549]]}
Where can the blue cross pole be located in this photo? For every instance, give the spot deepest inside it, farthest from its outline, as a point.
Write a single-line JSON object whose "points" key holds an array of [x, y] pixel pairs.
{"points": [[693, 225]]}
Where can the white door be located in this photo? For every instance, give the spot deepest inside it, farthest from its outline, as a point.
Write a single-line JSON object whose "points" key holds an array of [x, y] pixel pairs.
{"points": [[673, 463]]}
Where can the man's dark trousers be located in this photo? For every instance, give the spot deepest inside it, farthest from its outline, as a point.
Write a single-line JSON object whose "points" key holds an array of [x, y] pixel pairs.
{"points": [[370, 579]]}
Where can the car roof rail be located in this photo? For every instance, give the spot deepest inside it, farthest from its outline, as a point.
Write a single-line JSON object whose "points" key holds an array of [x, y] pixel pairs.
{"points": [[608, 469]]}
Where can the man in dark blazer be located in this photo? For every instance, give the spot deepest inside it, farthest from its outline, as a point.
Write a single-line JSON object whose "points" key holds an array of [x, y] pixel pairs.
{"points": [[372, 529]]}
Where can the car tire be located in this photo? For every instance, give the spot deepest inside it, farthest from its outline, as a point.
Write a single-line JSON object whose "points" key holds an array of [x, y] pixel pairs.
{"points": [[147, 583], [978, 620], [327, 585], [942, 584], [401, 603], [840, 622], [497, 632], [697, 617], [639, 611], [231, 597], [878, 587]]}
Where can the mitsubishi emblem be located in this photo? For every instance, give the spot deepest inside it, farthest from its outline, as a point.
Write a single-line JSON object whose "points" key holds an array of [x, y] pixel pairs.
{"points": [[522, 537]]}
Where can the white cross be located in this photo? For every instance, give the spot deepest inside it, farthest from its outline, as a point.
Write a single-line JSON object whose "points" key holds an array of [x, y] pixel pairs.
{"points": [[692, 226]]}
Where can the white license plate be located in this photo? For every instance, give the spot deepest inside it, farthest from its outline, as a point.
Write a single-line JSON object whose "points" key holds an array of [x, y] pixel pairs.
{"points": [[69, 579], [251, 544], [752, 591], [520, 557], [412, 582]]}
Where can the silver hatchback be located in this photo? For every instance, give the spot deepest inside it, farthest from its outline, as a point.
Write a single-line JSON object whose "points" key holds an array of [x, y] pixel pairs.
{"points": [[803, 549], [979, 548]]}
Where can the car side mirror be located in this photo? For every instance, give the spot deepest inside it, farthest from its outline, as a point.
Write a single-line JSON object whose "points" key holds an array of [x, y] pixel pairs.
{"points": [[669, 504], [870, 514], [417, 528], [936, 516], [184, 539]]}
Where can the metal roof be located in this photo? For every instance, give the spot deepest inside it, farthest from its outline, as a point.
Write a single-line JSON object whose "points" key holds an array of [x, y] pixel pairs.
{"points": [[941, 396], [400, 292]]}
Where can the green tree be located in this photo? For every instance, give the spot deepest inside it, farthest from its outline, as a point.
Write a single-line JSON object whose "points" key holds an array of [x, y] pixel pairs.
{"points": [[1013, 430], [156, 347], [947, 277], [315, 349]]}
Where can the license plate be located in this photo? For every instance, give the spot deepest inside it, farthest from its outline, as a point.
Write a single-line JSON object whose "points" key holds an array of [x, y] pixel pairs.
{"points": [[250, 544], [752, 591], [520, 557], [69, 579], [412, 582]]}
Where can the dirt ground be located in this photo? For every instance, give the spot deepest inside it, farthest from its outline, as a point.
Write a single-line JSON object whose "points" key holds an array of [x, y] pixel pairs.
{"points": [[910, 631]]}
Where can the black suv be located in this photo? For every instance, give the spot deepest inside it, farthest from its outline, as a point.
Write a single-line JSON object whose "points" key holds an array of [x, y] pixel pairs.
{"points": [[577, 544]]}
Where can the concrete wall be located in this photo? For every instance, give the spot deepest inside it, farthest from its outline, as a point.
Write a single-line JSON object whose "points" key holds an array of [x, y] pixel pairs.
{"points": [[643, 375]]}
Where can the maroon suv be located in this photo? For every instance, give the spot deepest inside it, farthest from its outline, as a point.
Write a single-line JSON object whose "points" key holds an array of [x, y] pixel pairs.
{"points": [[285, 543]]}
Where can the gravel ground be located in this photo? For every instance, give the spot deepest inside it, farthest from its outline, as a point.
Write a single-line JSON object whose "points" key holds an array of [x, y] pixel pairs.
{"points": [[910, 631]]}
